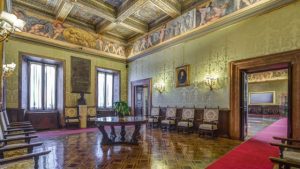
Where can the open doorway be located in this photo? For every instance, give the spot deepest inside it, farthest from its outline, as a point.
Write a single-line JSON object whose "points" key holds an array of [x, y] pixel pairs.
{"points": [[265, 94], [141, 97]]}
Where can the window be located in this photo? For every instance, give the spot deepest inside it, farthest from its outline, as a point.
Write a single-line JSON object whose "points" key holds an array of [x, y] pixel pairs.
{"points": [[107, 89], [42, 86]]}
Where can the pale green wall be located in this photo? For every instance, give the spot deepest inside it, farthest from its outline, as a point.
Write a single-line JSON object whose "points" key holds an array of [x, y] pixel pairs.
{"points": [[279, 86], [14, 46], [272, 32]]}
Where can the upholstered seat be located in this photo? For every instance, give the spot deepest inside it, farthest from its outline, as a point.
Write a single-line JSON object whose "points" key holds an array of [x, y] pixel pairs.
{"points": [[187, 120], [154, 116], [185, 124], [24, 164], [209, 123], [170, 119], [292, 155], [208, 127]]}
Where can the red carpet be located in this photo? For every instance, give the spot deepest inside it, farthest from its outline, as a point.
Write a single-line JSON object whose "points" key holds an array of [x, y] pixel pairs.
{"points": [[255, 152]]}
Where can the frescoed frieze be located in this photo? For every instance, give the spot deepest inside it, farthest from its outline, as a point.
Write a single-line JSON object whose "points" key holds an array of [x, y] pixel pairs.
{"points": [[59, 31]]}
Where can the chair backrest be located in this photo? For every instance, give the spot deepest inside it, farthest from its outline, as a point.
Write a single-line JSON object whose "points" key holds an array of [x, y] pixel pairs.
{"points": [[188, 114], [171, 112], [2, 121], [71, 112], [154, 111], [91, 111], [6, 117], [211, 115], [1, 135]]}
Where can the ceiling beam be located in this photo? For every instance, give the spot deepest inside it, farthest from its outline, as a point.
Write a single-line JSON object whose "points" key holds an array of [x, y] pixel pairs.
{"points": [[124, 13], [63, 9], [171, 9]]}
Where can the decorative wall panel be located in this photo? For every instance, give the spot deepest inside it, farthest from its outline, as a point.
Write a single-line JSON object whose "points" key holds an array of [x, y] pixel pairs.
{"points": [[80, 75]]}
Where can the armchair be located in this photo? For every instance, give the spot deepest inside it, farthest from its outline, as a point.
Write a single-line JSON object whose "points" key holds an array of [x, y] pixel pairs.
{"points": [[170, 119], [289, 153], [91, 115], [186, 122], [10, 124], [209, 123], [71, 116], [154, 116]]}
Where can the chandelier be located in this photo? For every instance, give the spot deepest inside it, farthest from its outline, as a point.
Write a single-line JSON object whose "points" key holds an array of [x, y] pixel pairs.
{"points": [[9, 23]]}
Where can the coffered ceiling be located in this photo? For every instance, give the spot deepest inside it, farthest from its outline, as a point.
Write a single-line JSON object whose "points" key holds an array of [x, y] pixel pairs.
{"points": [[120, 19]]}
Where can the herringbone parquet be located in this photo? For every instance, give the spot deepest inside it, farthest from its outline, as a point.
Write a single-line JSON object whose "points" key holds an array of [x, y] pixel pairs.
{"points": [[157, 150]]}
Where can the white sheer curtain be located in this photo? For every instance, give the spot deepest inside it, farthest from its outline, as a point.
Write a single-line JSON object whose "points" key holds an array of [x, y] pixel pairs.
{"points": [[101, 89], [42, 95], [109, 90], [105, 89], [35, 86], [50, 81]]}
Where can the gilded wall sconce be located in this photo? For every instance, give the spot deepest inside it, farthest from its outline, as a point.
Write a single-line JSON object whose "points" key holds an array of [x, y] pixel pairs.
{"points": [[211, 81]]}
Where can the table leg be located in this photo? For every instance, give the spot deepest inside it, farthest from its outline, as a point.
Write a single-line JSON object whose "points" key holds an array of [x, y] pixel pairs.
{"points": [[112, 133], [136, 134], [105, 139], [123, 133]]}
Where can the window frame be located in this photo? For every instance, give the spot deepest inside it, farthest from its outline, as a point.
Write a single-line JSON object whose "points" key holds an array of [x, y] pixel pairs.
{"points": [[43, 64], [114, 73]]}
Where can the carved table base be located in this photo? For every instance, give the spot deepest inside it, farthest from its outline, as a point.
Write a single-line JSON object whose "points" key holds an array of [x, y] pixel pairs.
{"points": [[111, 141]]}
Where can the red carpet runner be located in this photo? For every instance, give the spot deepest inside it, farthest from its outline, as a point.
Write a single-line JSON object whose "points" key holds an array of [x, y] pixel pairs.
{"points": [[255, 152]]}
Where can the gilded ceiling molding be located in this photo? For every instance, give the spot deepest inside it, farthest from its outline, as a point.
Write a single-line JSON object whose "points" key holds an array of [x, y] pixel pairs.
{"points": [[64, 8], [209, 16]]}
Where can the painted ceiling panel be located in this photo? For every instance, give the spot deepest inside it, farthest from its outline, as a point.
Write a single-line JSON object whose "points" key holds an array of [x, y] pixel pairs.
{"points": [[84, 15], [149, 13], [115, 3], [124, 32]]}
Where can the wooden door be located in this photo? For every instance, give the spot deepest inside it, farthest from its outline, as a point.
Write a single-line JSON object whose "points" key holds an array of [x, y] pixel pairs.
{"points": [[244, 105], [138, 100]]}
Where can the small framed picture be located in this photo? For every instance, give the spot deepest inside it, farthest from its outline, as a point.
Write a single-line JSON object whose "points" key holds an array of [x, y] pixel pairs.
{"points": [[183, 76]]}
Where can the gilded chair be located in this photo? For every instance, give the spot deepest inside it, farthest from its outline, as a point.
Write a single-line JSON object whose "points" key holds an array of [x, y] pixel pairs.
{"points": [[209, 123], [91, 115], [71, 116], [170, 119], [289, 153], [186, 122], [153, 119]]}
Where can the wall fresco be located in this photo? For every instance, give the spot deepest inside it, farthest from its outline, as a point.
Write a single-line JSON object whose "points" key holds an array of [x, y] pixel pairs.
{"points": [[203, 14], [59, 31]]}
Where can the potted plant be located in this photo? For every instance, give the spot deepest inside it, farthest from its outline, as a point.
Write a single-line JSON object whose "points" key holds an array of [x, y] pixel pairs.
{"points": [[121, 108]]}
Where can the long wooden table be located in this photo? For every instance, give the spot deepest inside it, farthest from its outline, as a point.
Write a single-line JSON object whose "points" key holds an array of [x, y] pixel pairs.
{"points": [[116, 121]]}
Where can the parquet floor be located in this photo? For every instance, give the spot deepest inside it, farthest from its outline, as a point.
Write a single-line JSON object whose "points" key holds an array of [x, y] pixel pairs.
{"points": [[157, 150]]}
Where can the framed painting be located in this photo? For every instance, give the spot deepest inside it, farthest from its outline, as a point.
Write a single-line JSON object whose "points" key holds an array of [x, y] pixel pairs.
{"points": [[183, 76], [262, 98]]}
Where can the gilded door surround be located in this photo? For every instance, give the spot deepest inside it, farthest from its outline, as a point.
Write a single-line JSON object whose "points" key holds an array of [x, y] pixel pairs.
{"points": [[236, 67]]}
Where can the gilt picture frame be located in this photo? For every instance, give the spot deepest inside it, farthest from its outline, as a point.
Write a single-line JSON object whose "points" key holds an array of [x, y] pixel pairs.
{"points": [[183, 76]]}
